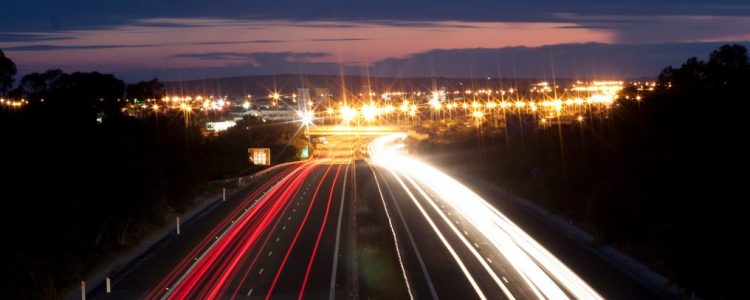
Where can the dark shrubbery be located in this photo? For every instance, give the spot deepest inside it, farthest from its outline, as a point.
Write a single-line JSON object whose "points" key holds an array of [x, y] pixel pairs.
{"points": [[83, 182]]}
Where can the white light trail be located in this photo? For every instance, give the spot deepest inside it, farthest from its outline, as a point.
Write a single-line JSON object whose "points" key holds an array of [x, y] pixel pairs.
{"points": [[544, 274], [395, 239], [445, 242]]}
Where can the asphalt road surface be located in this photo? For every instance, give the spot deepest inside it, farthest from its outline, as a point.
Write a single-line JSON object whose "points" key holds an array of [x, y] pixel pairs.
{"points": [[340, 224]]}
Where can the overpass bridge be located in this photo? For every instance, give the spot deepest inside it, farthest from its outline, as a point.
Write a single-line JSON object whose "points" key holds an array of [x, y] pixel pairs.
{"points": [[328, 130], [357, 137]]}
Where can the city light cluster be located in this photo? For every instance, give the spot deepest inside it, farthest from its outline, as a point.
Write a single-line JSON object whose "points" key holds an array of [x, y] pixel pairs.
{"points": [[546, 102], [13, 103], [185, 104], [593, 98], [574, 102]]}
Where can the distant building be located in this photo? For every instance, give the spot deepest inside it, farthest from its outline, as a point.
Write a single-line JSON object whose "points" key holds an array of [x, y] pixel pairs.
{"points": [[274, 115], [303, 96], [323, 97], [219, 126]]}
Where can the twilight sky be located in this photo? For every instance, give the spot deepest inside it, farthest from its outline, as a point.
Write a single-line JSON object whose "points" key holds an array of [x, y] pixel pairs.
{"points": [[173, 39]]}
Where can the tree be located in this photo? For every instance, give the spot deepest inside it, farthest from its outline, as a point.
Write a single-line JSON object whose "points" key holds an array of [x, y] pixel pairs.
{"points": [[729, 66], [727, 70], [7, 71], [37, 86], [152, 89]]}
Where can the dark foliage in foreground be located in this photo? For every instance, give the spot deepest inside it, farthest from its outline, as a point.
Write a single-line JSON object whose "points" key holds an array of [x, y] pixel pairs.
{"points": [[85, 182], [659, 179]]}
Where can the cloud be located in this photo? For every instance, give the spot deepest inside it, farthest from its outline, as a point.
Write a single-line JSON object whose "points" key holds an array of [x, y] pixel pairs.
{"points": [[238, 42], [669, 28], [287, 56], [592, 60], [31, 37], [586, 27], [258, 63], [423, 24], [338, 40], [566, 60], [53, 15], [73, 47]]}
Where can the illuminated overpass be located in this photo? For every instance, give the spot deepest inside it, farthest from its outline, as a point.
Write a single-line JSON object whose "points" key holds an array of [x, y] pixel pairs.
{"points": [[324, 130]]}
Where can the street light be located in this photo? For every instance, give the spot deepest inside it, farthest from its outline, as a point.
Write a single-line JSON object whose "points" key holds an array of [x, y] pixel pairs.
{"points": [[307, 118]]}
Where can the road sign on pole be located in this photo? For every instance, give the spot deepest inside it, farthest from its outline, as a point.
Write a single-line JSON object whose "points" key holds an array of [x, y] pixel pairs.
{"points": [[259, 156]]}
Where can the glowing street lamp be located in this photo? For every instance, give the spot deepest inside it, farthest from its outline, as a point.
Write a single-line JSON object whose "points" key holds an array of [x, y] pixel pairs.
{"points": [[348, 114], [405, 106], [307, 118], [477, 115], [435, 104], [369, 112]]}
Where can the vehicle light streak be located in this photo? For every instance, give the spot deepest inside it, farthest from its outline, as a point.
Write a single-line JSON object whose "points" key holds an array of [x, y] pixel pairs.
{"points": [[162, 286], [230, 241], [215, 257], [445, 242], [544, 274], [463, 239], [262, 246], [320, 234], [296, 235], [393, 232]]}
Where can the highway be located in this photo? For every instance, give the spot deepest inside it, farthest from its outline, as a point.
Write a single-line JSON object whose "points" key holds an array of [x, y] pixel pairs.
{"points": [[274, 239], [347, 225], [491, 257]]}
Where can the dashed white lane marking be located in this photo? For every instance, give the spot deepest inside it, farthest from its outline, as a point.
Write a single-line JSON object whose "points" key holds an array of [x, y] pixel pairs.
{"points": [[283, 228], [489, 260], [269, 253], [277, 239], [288, 218], [466, 233], [476, 245], [505, 279], [250, 292], [261, 271]]}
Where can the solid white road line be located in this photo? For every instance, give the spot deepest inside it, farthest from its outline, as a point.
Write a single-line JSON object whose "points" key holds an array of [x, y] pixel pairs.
{"points": [[332, 292]]}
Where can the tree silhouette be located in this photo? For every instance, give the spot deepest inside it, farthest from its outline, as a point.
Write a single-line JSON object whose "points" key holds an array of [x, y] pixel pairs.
{"points": [[728, 67], [143, 90], [7, 71], [37, 86]]}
